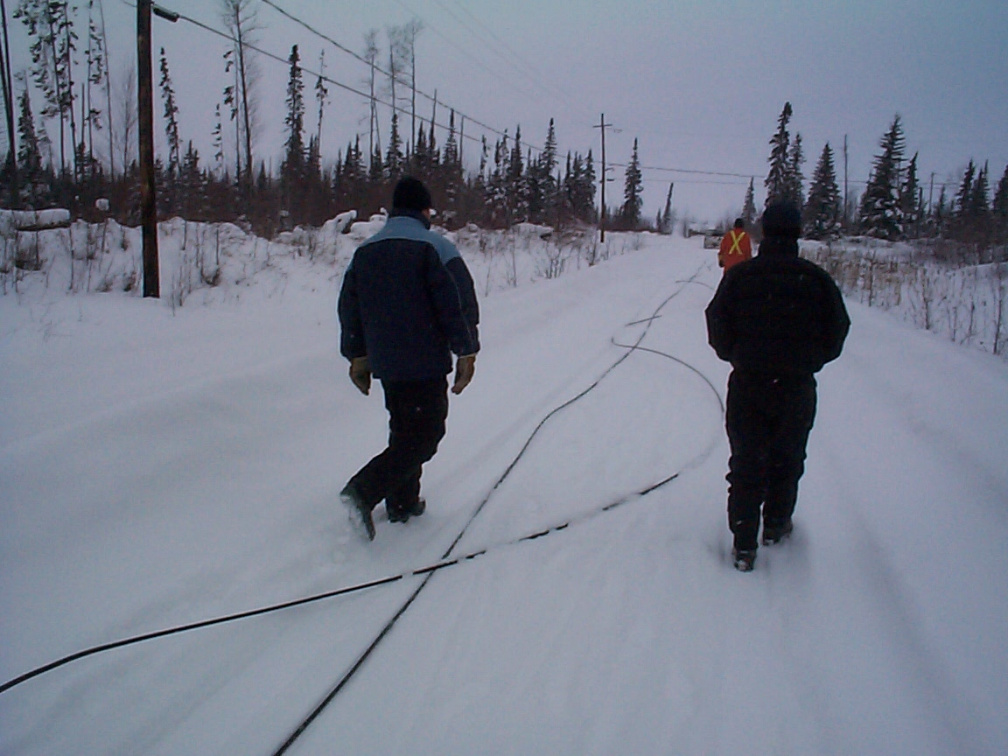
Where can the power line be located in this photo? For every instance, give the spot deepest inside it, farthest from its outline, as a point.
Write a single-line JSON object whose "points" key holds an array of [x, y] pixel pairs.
{"points": [[692, 171], [430, 98], [330, 80], [509, 56], [451, 42], [368, 97]]}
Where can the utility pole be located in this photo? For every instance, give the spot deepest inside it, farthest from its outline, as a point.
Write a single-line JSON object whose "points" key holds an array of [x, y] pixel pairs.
{"points": [[8, 91], [845, 210], [602, 125], [148, 200]]}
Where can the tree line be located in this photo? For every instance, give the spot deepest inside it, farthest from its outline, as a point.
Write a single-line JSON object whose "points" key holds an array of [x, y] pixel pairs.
{"points": [[511, 185], [893, 205]]}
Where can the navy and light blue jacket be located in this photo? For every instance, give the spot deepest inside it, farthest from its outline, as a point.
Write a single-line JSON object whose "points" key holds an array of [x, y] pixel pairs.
{"points": [[407, 302]]}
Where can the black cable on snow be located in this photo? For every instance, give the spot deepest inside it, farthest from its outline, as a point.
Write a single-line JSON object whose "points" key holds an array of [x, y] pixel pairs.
{"points": [[535, 432], [685, 364], [429, 572], [346, 590], [192, 626]]}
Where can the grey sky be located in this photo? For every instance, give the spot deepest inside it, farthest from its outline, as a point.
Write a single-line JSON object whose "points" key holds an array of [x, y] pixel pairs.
{"points": [[700, 83]]}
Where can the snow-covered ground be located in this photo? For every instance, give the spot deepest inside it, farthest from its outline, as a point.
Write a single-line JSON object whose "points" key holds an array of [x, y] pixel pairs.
{"points": [[163, 465]]}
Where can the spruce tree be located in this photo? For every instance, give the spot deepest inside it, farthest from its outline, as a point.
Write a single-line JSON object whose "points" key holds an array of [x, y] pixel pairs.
{"points": [[999, 209], [665, 218], [749, 206], [96, 74], [321, 97], [940, 214], [794, 182], [217, 136], [496, 207], [964, 197], [910, 213], [192, 195], [169, 198], [633, 189], [880, 216], [394, 156], [29, 154], [452, 176], [978, 203], [292, 171], [171, 118], [587, 188], [822, 213], [777, 181], [516, 200], [547, 186], [549, 154]]}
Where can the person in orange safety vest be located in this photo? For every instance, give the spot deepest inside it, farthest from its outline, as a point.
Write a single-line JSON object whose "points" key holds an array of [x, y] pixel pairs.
{"points": [[735, 246]]}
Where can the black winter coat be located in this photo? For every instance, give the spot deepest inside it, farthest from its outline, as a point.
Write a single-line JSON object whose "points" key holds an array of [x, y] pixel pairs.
{"points": [[407, 302], [777, 313]]}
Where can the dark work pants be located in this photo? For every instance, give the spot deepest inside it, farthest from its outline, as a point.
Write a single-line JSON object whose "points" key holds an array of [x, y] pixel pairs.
{"points": [[417, 413], [768, 420]]}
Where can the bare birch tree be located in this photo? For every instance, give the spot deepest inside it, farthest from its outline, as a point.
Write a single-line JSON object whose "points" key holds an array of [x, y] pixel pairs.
{"points": [[242, 22], [371, 53]]}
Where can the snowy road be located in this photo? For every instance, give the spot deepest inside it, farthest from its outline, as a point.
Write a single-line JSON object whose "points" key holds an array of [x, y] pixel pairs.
{"points": [[158, 470]]}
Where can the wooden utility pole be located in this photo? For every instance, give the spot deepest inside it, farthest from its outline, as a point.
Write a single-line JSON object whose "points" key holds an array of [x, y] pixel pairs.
{"points": [[9, 99], [845, 210], [602, 126], [148, 199]]}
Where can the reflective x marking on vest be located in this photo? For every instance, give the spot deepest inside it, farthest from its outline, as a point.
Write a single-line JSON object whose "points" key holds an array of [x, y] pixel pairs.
{"points": [[735, 249]]}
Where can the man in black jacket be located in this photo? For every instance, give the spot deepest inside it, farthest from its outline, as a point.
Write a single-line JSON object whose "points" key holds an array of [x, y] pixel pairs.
{"points": [[777, 319], [406, 304]]}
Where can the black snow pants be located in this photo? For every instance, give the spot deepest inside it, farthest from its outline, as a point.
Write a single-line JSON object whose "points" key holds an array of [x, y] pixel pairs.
{"points": [[768, 420], [417, 413]]}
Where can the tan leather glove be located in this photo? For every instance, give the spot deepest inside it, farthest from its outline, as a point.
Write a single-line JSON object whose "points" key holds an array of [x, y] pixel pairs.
{"points": [[465, 366], [360, 374]]}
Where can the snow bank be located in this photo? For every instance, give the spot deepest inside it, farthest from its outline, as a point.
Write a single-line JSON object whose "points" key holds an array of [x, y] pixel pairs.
{"points": [[363, 229], [338, 224], [33, 220], [532, 229]]}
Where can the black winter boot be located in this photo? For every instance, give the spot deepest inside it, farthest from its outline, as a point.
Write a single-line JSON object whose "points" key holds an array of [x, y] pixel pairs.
{"points": [[775, 531], [744, 559], [395, 514]]}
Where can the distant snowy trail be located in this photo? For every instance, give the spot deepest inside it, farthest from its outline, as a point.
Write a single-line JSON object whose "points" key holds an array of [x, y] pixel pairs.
{"points": [[877, 629]]}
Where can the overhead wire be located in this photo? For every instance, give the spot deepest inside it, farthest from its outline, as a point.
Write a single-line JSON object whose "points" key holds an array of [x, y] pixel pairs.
{"points": [[404, 110], [495, 44], [328, 79], [383, 72]]}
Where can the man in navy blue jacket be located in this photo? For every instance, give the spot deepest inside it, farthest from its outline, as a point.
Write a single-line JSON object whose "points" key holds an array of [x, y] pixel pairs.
{"points": [[407, 303]]}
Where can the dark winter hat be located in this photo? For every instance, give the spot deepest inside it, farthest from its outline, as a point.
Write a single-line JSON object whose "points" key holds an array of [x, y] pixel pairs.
{"points": [[782, 219], [411, 194]]}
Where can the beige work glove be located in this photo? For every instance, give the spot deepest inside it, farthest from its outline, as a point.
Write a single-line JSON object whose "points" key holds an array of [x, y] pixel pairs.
{"points": [[360, 374], [465, 366]]}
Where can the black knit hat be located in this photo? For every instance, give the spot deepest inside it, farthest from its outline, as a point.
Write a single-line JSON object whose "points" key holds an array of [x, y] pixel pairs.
{"points": [[782, 219], [411, 194]]}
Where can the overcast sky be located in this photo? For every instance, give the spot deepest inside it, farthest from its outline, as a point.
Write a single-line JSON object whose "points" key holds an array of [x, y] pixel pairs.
{"points": [[700, 83]]}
